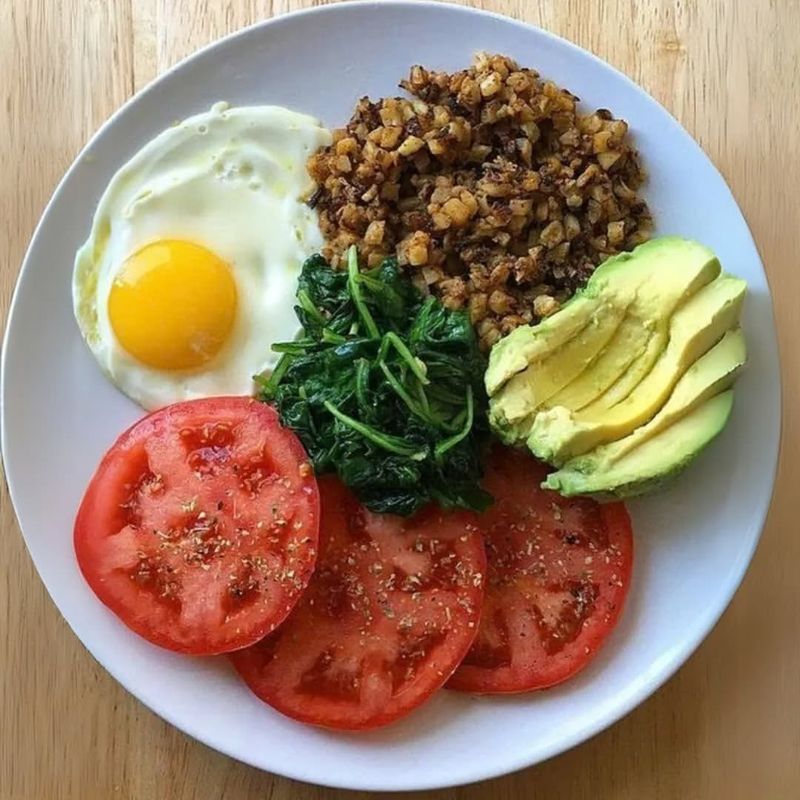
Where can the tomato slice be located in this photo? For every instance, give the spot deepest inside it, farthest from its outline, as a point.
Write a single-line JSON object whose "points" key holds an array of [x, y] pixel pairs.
{"points": [[199, 528], [390, 612], [558, 573]]}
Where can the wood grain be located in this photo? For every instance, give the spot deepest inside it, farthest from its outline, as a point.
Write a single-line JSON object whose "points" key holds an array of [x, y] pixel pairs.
{"points": [[728, 724]]}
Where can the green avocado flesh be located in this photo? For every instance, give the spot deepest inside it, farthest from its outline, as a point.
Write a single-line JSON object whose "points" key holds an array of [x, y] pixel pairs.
{"points": [[717, 306], [711, 374], [659, 274], [629, 343], [623, 308], [525, 344], [527, 390], [559, 434], [659, 339], [694, 267], [653, 462]]}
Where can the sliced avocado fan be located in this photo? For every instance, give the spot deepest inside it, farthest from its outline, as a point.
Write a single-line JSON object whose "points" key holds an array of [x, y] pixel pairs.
{"points": [[681, 271], [710, 375], [628, 345], [528, 390], [631, 379], [619, 322], [559, 434], [678, 267], [653, 462], [526, 344]]}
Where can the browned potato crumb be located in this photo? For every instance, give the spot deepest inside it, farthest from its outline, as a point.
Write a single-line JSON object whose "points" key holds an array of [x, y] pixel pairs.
{"points": [[490, 187]]}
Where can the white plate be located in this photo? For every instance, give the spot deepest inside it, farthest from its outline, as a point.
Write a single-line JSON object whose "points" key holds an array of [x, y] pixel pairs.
{"points": [[693, 543]]}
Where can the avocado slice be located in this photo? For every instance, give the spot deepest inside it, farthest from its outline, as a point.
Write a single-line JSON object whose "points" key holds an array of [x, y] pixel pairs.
{"points": [[525, 344], [711, 374], [527, 390], [673, 268], [683, 269], [652, 463], [559, 434], [628, 344]]}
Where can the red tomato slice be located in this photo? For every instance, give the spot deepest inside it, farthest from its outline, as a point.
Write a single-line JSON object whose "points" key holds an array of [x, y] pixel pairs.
{"points": [[199, 528], [388, 615], [558, 573]]}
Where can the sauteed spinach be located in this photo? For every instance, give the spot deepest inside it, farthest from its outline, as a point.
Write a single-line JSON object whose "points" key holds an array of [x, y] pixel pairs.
{"points": [[384, 387]]}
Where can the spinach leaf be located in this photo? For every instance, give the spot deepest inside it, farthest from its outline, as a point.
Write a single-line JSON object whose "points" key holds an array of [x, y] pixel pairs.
{"points": [[385, 388]]}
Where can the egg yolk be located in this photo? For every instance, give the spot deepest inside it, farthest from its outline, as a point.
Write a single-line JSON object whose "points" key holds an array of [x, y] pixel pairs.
{"points": [[173, 304]]}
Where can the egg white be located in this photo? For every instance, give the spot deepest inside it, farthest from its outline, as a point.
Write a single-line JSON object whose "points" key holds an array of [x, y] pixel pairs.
{"points": [[233, 180]]}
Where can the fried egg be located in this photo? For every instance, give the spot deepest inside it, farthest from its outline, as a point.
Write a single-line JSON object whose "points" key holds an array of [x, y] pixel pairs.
{"points": [[189, 273]]}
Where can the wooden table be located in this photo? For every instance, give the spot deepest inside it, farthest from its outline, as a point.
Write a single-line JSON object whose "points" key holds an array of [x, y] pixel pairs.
{"points": [[728, 725]]}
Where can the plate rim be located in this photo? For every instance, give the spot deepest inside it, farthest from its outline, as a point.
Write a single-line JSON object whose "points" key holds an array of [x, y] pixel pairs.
{"points": [[670, 664]]}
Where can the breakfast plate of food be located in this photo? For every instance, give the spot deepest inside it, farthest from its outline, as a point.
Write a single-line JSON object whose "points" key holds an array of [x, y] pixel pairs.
{"points": [[390, 395]]}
